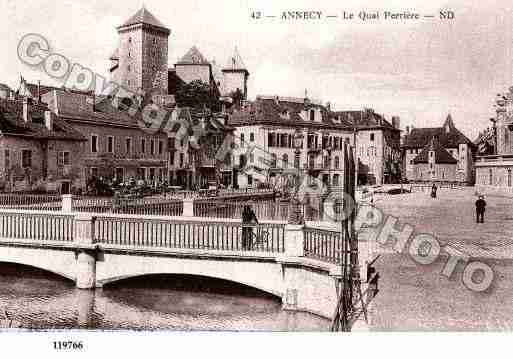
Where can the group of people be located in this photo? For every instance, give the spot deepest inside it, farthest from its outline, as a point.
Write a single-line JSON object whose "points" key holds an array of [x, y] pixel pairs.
{"points": [[480, 205]]}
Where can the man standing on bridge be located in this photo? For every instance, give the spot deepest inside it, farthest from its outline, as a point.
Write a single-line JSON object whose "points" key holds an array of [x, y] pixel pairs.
{"points": [[248, 222]]}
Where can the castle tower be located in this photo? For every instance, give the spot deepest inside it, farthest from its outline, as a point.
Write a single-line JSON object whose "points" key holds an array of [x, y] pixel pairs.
{"points": [[140, 61], [194, 66], [235, 75]]}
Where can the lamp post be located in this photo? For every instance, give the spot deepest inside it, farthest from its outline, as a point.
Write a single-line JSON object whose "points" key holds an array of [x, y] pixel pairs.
{"points": [[295, 214]]}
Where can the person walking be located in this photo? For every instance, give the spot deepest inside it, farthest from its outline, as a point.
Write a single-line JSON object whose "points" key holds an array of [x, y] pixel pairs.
{"points": [[433, 190], [249, 220], [480, 209]]}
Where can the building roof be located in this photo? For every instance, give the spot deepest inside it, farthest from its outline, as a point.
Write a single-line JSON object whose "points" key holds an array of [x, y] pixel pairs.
{"points": [[144, 16], [193, 56], [12, 122], [73, 106], [27, 89], [441, 154], [235, 62], [364, 119], [283, 111], [448, 136]]}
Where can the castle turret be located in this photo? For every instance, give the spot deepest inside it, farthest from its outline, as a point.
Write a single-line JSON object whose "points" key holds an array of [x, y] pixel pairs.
{"points": [[235, 75]]}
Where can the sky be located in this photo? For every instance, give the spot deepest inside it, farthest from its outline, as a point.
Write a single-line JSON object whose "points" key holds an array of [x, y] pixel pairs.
{"points": [[420, 70]]}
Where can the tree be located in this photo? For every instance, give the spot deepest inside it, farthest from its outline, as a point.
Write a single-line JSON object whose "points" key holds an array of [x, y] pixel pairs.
{"points": [[197, 94], [237, 97]]}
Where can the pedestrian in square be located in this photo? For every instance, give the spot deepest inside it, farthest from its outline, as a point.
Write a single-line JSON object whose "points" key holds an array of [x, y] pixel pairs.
{"points": [[433, 190], [480, 209]]}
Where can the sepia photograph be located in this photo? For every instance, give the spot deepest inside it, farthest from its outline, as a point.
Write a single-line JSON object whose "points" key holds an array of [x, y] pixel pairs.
{"points": [[255, 169]]}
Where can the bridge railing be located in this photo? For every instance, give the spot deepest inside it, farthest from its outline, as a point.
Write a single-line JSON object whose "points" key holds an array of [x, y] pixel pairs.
{"points": [[186, 234], [322, 244], [140, 206], [264, 210], [43, 202], [42, 226]]}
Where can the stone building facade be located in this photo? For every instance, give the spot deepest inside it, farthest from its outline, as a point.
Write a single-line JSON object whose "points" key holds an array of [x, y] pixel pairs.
{"points": [[38, 150], [265, 129], [494, 168], [453, 154], [116, 146]]}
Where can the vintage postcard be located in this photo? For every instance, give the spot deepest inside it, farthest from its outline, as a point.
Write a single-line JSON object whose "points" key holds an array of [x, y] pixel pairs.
{"points": [[249, 167]]}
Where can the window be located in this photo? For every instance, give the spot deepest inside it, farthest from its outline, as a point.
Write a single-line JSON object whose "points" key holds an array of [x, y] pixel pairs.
{"points": [[270, 139], [283, 140], [372, 137], [509, 177], [296, 162], [241, 140], [64, 158], [128, 145], [119, 173], [326, 162], [337, 162], [154, 41], [250, 180], [152, 147], [251, 157], [94, 172], [312, 115], [172, 158], [110, 144], [26, 158], [336, 180], [143, 145], [128, 82], [181, 160], [152, 174], [242, 161], [252, 137], [490, 177], [273, 160], [161, 147], [285, 160], [129, 40], [128, 68], [7, 162], [94, 144]]}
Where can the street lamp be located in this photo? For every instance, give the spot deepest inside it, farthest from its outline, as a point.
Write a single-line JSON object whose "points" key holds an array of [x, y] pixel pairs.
{"points": [[295, 214]]}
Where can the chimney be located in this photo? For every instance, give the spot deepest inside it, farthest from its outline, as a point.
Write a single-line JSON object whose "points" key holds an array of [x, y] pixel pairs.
{"points": [[39, 91], [48, 120], [27, 110], [396, 122]]}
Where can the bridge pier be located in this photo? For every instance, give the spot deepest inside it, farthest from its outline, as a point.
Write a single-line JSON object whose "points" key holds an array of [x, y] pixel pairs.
{"points": [[86, 251]]}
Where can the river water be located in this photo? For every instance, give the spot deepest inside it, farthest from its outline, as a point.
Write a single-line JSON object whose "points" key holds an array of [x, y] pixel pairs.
{"points": [[38, 299], [411, 297]]}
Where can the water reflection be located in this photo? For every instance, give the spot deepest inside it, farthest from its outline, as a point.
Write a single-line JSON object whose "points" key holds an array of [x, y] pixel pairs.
{"points": [[41, 300]]}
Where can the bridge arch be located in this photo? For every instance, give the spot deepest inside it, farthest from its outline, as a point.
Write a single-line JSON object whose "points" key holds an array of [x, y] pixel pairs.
{"points": [[265, 289], [189, 277], [59, 262], [265, 276], [39, 267]]}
